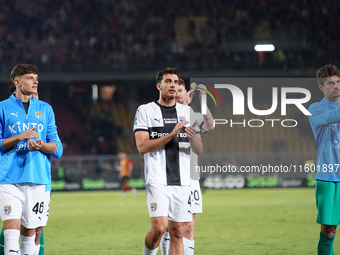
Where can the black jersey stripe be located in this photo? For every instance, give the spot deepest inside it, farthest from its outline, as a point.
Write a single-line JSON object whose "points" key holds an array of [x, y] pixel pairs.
{"points": [[170, 120]]}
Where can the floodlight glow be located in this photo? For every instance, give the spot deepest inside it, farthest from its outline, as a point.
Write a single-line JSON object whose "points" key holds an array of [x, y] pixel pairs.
{"points": [[94, 92], [264, 47]]}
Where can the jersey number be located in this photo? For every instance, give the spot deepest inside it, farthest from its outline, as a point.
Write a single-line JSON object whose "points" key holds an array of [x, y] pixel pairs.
{"points": [[196, 195], [38, 208]]}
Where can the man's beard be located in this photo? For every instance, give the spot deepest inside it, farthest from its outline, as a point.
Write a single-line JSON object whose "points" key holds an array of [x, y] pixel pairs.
{"points": [[180, 100]]}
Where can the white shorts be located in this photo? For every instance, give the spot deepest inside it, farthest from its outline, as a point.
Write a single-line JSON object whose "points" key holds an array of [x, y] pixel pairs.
{"points": [[23, 201], [196, 197], [44, 216], [169, 201]]}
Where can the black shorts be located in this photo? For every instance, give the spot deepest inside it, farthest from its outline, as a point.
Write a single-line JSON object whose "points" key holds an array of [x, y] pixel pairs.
{"points": [[124, 180]]}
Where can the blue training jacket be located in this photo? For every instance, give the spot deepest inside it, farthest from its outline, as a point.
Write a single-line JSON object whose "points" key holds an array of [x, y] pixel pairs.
{"points": [[325, 123], [18, 164]]}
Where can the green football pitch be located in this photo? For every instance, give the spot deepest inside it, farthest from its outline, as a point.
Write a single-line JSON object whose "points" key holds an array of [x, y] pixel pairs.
{"points": [[246, 221]]}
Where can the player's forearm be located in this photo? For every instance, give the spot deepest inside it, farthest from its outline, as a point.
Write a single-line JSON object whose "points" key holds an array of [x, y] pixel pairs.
{"points": [[150, 145], [322, 116], [50, 147], [196, 144], [208, 121], [10, 142], [327, 118]]}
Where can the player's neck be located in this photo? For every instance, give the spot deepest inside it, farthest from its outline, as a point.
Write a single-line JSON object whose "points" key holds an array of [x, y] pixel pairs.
{"points": [[333, 99], [168, 102], [24, 98]]}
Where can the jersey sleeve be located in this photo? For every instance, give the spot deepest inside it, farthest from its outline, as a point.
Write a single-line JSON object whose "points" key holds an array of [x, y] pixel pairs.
{"points": [[52, 134], [140, 123], [322, 116], [197, 116]]}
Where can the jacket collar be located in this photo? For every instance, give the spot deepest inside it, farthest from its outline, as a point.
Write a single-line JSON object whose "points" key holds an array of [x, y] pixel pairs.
{"points": [[327, 102], [18, 100]]}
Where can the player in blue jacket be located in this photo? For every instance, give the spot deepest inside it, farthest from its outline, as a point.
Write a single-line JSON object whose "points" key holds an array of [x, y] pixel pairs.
{"points": [[325, 123], [28, 137], [39, 236]]}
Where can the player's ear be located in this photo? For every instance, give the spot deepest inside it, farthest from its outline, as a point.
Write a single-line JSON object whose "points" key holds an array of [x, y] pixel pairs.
{"points": [[158, 86], [321, 87], [16, 81]]}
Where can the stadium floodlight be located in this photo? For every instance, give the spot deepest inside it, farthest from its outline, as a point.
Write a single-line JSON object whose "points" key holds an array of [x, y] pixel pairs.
{"points": [[94, 92], [264, 47]]}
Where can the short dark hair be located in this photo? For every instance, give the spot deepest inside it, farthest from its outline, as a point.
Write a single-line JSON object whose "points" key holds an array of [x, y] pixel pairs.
{"points": [[168, 70], [181, 82], [22, 69], [325, 72]]}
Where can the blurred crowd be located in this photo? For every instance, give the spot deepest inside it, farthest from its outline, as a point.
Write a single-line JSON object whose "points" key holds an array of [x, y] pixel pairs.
{"points": [[131, 35], [88, 127]]}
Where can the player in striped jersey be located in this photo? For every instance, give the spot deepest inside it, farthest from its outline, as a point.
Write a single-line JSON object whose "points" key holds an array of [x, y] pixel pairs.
{"points": [[204, 123], [165, 138]]}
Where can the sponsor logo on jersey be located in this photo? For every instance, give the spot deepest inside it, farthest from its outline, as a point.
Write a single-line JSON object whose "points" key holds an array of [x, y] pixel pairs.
{"points": [[135, 121], [153, 207], [21, 146], [22, 127], [159, 120], [181, 118], [7, 209], [38, 114], [15, 114], [154, 135], [170, 120]]}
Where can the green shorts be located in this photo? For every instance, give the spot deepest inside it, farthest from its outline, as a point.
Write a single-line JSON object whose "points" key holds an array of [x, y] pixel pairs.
{"points": [[328, 202]]}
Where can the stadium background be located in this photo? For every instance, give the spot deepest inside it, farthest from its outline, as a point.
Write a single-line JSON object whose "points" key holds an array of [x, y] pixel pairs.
{"points": [[117, 47]]}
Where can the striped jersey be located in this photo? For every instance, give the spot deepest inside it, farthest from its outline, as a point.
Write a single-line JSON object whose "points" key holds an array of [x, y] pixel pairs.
{"points": [[169, 164], [198, 117]]}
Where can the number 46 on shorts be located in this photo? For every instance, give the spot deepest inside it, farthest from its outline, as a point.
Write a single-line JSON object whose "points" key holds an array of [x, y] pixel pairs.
{"points": [[38, 208]]}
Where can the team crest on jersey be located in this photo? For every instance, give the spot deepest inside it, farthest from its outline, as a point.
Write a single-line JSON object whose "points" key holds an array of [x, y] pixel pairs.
{"points": [[153, 207], [334, 126], [7, 209], [181, 118], [38, 114]]}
